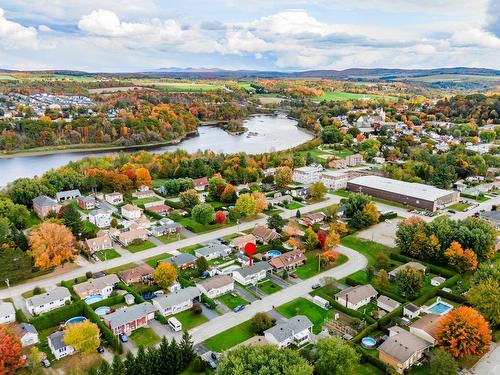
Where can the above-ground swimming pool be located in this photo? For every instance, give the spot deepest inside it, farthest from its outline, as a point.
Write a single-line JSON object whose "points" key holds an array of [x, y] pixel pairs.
{"points": [[103, 310], [368, 342], [439, 307], [93, 298], [76, 319], [273, 253]]}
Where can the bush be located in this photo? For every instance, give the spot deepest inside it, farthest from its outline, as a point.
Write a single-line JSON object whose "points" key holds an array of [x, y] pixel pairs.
{"points": [[430, 267], [152, 214], [365, 332], [88, 274], [196, 309], [160, 318], [20, 316], [37, 290], [208, 301], [57, 316]]}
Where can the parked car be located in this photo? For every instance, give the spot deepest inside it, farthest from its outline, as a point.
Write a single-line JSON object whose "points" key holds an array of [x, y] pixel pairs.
{"points": [[100, 349], [239, 308], [316, 286], [123, 337], [46, 363], [214, 356], [211, 364], [452, 211], [293, 276]]}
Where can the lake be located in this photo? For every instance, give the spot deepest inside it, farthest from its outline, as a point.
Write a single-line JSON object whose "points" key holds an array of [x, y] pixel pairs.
{"points": [[265, 133]]}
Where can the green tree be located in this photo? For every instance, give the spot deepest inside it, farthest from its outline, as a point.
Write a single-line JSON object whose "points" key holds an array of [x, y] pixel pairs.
{"points": [[409, 282], [261, 322], [72, 219], [216, 186], [311, 241], [283, 177], [382, 261], [203, 213], [382, 279], [246, 205], [443, 363], [24, 190], [201, 264], [275, 221], [189, 198], [229, 194], [317, 190], [336, 357], [485, 296], [5, 231], [16, 213], [444, 176]]}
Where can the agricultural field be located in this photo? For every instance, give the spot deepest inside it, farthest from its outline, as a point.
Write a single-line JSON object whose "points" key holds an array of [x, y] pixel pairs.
{"points": [[339, 96]]}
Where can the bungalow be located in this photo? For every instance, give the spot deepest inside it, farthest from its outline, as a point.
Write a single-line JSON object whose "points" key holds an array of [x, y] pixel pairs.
{"points": [[86, 203], [264, 234], [411, 311], [296, 331], [99, 243], [239, 243], [114, 198], [251, 275], [402, 349], [131, 212], [7, 312], [278, 198], [213, 251], [216, 286], [166, 229], [57, 345], [394, 272], [387, 304], [160, 209], [101, 286], [200, 183], [101, 218], [43, 205], [357, 296], [126, 238], [67, 195], [130, 318], [311, 219], [139, 274], [143, 192], [27, 333], [48, 301], [426, 327], [178, 301], [182, 261], [288, 261]]}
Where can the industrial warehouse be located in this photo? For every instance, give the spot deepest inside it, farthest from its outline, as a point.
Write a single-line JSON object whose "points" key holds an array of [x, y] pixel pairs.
{"points": [[411, 194]]}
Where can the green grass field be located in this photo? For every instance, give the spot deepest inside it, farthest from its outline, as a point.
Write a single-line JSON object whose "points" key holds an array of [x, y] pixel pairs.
{"points": [[123, 267], [144, 245], [368, 248], [4, 77], [190, 320], [310, 268], [301, 306], [269, 287], [339, 96], [458, 206], [153, 260], [231, 302], [169, 238], [145, 337], [107, 254], [230, 337], [189, 87], [138, 202]]}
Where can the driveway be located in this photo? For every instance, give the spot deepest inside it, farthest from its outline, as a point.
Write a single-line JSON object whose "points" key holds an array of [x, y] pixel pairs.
{"points": [[208, 313], [490, 363], [257, 291], [242, 292], [278, 280]]}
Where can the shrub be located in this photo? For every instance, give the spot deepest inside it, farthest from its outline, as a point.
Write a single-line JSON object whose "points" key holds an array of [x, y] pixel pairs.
{"points": [[196, 309], [57, 316]]}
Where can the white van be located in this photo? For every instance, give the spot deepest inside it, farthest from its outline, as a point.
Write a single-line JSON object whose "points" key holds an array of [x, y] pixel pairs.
{"points": [[175, 324]]}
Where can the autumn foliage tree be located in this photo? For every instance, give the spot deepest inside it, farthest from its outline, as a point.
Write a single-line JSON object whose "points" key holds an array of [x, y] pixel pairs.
{"points": [[164, 275], [463, 332], [220, 217], [51, 245], [261, 202], [461, 259], [83, 336], [142, 177], [11, 352]]}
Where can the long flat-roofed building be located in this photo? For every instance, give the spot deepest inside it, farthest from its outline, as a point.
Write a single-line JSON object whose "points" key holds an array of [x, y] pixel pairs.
{"points": [[413, 194]]}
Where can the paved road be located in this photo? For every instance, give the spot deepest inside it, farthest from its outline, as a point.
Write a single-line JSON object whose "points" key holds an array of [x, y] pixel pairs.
{"points": [[355, 263], [490, 363]]}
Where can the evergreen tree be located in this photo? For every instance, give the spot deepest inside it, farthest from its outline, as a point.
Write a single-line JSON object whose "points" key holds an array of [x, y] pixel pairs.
{"points": [[72, 219], [105, 368], [118, 367], [130, 364], [186, 349]]}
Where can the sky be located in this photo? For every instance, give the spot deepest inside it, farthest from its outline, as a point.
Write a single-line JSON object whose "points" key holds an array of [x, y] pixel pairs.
{"points": [[141, 35]]}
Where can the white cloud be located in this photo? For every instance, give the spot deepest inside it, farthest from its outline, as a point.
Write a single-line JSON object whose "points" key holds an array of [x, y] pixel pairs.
{"points": [[14, 35], [473, 37]]}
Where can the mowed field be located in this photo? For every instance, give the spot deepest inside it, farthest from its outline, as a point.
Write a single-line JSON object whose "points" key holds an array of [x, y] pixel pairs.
{"points": [[339, 96], [179, 86]]}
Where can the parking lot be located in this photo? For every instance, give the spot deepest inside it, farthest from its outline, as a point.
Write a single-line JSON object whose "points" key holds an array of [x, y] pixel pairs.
{"points": [[384, 233]]}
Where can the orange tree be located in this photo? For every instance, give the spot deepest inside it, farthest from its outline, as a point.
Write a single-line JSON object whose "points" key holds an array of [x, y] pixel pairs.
{"points": [[463, 332], [11, 352], [461, 259]]}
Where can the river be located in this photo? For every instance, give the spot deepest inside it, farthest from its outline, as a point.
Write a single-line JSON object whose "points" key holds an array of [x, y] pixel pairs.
{"points": [[265, 133]]}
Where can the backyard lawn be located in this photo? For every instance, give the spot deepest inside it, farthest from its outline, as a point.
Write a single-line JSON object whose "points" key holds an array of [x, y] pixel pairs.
{"points": [[144, 245], [231, 301], [301, 306], [30, 293], [169, 238], [107, 254], [145, 337], [153, 260], [368, 248], [310, 268], [190, 249], [269, 287], [294, 206], [230, 337], [123, 267], [142, 201], [190, 320]]}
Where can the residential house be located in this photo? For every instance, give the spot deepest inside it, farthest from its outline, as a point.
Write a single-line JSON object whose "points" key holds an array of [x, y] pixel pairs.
{"points": [[48, 301], [402, 349], [357, 296], [86, 203], [419, 266], [279, 198], [296, 330], [437, 280], [131, 212], [178, 301], [143, 192], [216, 286], [288, 261], [334, 180], [337, 163], [129, 318], [354, 160], [163, 229], [7, 312], [308, 174], [311, 219], [114, 198], [492, 217], [182, 261], [251, 275], [426, 327], [100, 217], [67, 195], [213, 250], [43, 205], [99, 243], [27, 333], [264, 234], [126, 238], [160, 209], [411, 311], [139, 274], [387, 304], [200, 183], [102, 286], [57, 345], [239, 243]]}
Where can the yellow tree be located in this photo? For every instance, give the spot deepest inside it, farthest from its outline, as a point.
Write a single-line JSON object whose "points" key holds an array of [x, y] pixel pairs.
{"points": [[83, 337], [142, 177], [370, 211], [261, 202], [339, 227], [461, 259], [51, 245], [165, 275]]}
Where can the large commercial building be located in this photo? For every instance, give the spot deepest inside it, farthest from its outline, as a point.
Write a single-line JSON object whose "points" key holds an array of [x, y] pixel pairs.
{"points": [[412, 194]]}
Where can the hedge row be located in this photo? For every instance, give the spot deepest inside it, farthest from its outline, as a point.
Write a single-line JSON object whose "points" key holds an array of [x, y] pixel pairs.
{"points": [[160, 318], [173, 204], [431, 267], [451, 297], [386, 369], [109, 301], [450, 282], [152, 214], [106, 332], [21, 316], [425, 297], [382, 322], [57, 316], [365, 332]]}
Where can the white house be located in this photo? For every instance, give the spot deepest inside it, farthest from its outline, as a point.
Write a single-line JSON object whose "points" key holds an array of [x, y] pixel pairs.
{"points": [[307, 175], [411, 311], [27, 333], [100, 218], [296, 330], [57, 345], [426, 327], [178, 301], [62, 196], [99, 243], [251, 275], [357, 296], [437, 280], [7, 312], [102, 286], [48, 301], [216, 286], [114, 198], [387, 304], [213, 250], [131, 212]]}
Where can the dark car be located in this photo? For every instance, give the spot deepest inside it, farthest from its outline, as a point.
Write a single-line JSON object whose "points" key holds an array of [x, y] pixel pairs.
{"points": [[46, 363], [239, 308], [452, 211], [123, 337], [316, 286], [214, 356], [211, 364], [100, 349]]}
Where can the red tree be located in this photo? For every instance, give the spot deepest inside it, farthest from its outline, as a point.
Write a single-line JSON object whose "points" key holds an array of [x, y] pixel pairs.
{"points": [[322, 238], [220, 217], [10, 352]]}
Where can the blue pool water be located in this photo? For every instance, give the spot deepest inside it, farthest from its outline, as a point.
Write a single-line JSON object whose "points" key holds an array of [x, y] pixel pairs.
{"points": [[368, 342], [439, 308], [103, 310], [273, 253], [76, 319], [93, 298]]}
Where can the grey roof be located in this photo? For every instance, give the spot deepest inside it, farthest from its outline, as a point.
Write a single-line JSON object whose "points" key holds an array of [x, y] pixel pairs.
{"points": [[177, 297], [99, 283], [57, 340], [50, 296], [129, 313], [256, 268], [491, 215], [68, 193], [411, 307], [99, 211], [215, 282], [388, 301], [44, 201], [6, 308], [357, 293], [212, 248], [403, 345], [180, 259], [285, 330], [24, 328]]}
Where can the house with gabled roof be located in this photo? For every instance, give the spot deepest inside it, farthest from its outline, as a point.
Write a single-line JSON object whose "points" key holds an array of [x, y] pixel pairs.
{"points": [[48, 301], [264, 234], [216, 286], [43, 205], [251, 275], [129, 318], [175, 302], [296, 330], [357, 296], [67, 195], [57, 345]]}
